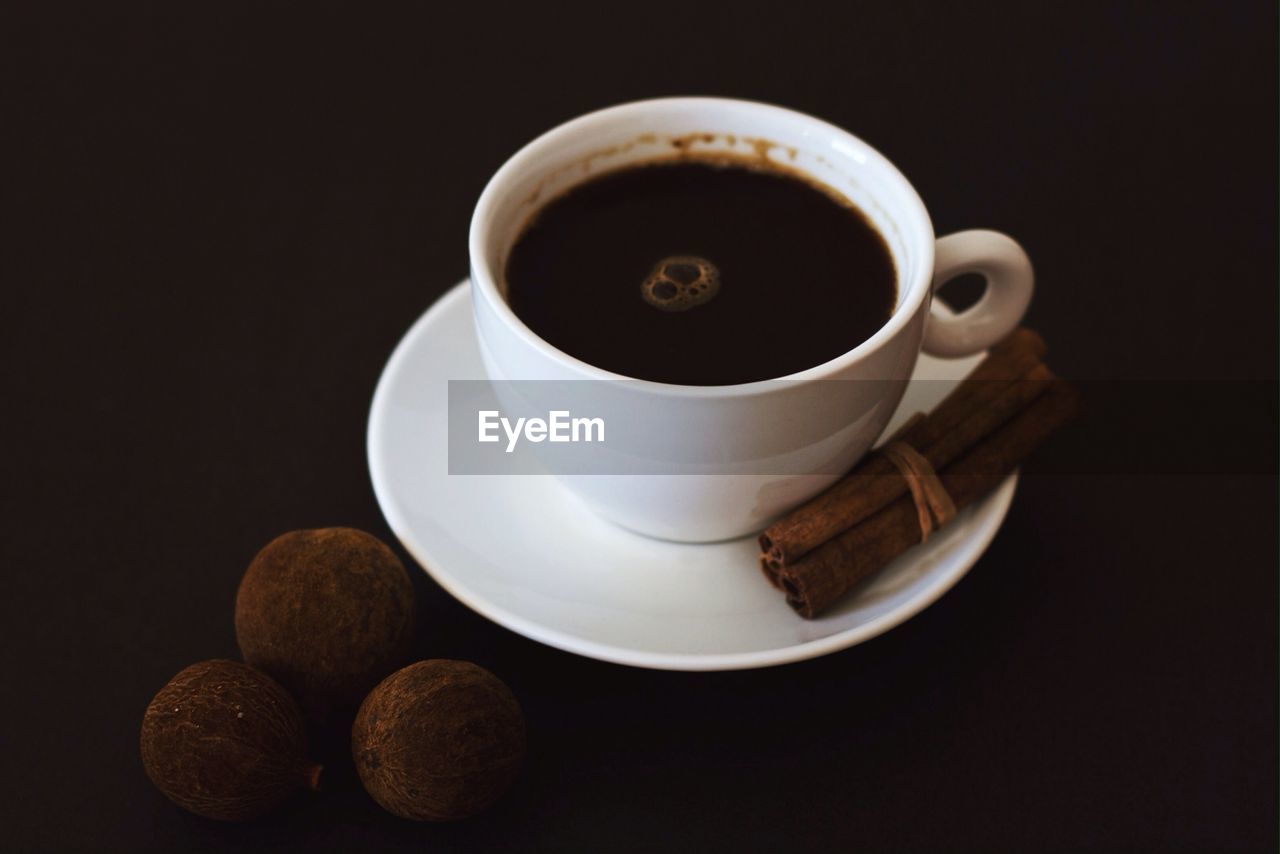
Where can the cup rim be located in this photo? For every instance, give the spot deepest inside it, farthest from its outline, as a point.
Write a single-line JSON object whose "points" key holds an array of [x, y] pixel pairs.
{"points": [[484, 281]]}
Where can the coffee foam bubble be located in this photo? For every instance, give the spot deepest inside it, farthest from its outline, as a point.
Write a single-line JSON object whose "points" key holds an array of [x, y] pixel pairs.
{"points": [[681, 282]]}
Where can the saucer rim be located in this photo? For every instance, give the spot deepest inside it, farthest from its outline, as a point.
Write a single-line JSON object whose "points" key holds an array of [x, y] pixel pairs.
{"points": [[992, 508]]}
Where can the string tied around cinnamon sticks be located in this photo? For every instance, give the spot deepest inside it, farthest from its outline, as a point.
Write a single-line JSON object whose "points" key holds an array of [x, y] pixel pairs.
{"points": [[962, 450], [934, 506]]}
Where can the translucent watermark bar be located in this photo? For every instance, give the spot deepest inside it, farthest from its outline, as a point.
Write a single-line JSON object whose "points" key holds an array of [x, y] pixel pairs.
{"points": [[1156, 427]]}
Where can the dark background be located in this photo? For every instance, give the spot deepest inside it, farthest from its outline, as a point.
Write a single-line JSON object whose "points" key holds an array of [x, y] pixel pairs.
{"points": [[219, 221]]}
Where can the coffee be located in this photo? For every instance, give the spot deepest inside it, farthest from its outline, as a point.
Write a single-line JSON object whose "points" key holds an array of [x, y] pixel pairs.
{"points": [[701, 271]]}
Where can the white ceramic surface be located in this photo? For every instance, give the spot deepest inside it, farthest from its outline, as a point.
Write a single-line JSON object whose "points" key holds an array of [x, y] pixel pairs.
{"points": [[731, 495], [524, 552]]}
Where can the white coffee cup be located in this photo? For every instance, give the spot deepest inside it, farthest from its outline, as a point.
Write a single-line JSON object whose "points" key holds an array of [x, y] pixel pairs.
{"points": [[756, 449]]}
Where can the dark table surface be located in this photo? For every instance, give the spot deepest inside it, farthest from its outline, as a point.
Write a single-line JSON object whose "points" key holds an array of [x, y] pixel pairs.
{"points": [[220, 222]]}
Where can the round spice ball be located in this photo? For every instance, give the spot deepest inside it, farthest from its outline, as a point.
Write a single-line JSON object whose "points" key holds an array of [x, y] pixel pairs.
{"points": [[439, 740], [226, 742], [328, 613]]}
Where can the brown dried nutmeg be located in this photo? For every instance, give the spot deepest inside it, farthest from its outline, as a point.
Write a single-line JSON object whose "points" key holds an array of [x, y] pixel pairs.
{"points": [[226, 742], [328, 613], [439, 740]]}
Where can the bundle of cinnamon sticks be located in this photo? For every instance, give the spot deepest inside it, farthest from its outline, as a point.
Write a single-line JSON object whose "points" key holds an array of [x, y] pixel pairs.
{"points": [[948, 459]]}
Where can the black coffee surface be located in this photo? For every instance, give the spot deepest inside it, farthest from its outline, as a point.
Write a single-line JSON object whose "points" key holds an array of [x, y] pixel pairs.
{"points": [[701, 272]]}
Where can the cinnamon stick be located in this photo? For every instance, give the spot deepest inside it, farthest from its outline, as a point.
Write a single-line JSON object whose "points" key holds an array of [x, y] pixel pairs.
{"points": [[816, 581], [1009, 378], [1008, 359]]}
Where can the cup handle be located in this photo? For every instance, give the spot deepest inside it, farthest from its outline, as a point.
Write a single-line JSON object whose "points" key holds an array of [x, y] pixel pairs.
{"points": [[1007, 269]]}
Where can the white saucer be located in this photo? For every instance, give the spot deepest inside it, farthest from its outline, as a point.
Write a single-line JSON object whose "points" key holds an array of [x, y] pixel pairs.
{"points": [[522, 551]]}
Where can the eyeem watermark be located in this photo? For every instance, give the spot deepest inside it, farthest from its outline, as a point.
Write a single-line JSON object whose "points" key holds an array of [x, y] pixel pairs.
{"points": [[558, 426], [535, 427]]}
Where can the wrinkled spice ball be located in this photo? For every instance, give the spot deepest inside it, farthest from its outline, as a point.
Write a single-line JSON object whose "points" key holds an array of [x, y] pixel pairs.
{"points": [[439, 740], [226, 742], [328, 613]]}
